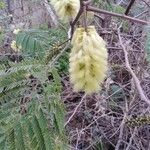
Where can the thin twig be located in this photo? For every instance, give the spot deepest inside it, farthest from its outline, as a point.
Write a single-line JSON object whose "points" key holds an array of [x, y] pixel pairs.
{"points": [[83, 3], [122, 126], [85, 18], [121, 133], [146, 3], [144, 12], [100, 17], [131, 139], [90, 8], [51, 13], [136, 80], [70, 118]]}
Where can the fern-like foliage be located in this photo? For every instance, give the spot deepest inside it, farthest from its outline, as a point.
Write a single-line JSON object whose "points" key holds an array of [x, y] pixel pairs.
{"points": [[33, 42], [31, 111], [36, 43], [30, 120]]}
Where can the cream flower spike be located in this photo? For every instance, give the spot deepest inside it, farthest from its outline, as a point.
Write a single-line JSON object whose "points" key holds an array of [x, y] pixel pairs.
{"points": [[66, 9], [88, 60]]}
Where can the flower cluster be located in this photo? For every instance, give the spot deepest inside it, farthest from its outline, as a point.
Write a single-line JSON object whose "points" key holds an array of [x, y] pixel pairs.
{"points": [[14, 46], [66, 8], [88, 60]]}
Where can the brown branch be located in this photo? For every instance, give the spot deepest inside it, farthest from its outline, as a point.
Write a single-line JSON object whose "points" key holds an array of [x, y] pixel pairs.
{"points": [[72, 24], [100, 17], [136, 80], [85, 18], [83, 4], [146, 3], [86, 2], [131, 138], [90, 8], [129, 7]]}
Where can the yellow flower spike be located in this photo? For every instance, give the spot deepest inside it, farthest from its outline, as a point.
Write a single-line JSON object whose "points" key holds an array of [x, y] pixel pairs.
{"points": [[66, 8], [88, 60]]}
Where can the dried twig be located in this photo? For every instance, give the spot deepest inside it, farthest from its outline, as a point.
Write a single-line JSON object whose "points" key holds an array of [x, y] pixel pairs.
{"points": [[72, 24], [85, 3], [54, 19], [121, 133], [136, 80], [131, 139], [90, 8], [70, 118]]}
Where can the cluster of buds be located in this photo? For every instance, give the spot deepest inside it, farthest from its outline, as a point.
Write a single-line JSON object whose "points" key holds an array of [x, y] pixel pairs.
{"points": [[138, 121], [88, 60], [13, 44], [15, 47], [66, 9], [56, 48]]}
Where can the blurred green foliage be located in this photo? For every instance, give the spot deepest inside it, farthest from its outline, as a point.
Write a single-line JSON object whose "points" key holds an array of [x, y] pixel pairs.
{"points": [[32, 114], [2, 5]]}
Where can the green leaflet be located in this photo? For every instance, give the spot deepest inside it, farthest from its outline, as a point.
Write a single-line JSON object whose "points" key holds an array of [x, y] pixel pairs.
{"points": [[29, 101]]}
